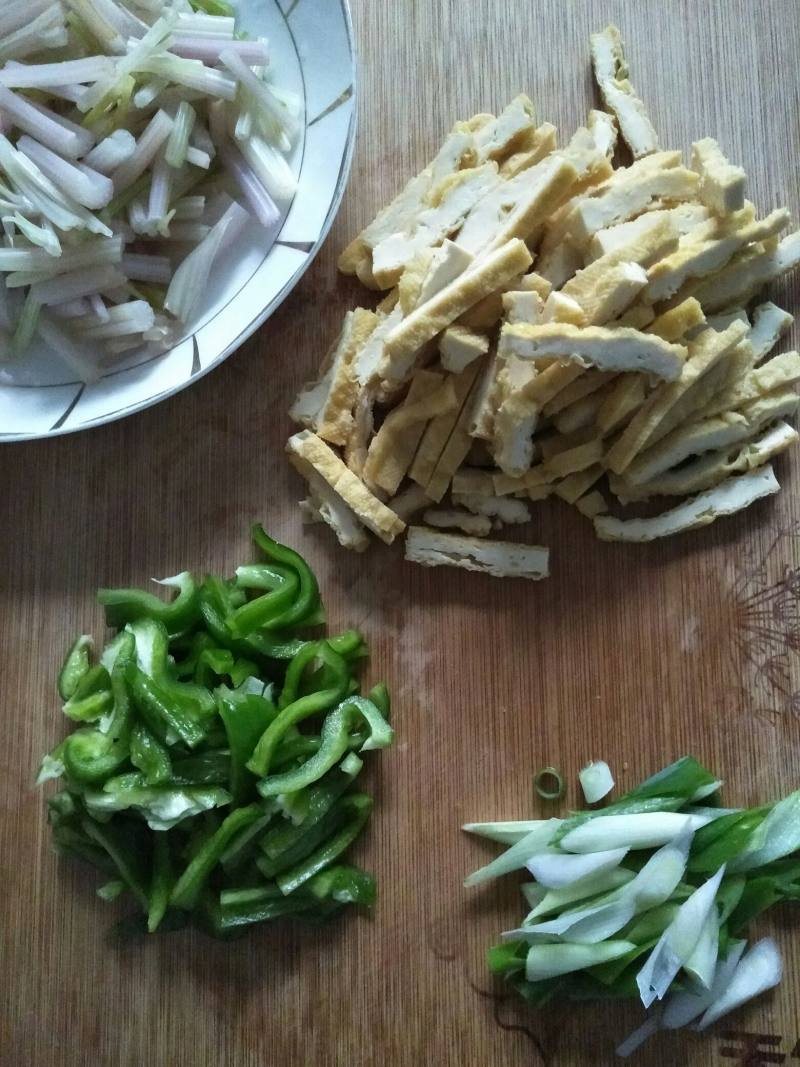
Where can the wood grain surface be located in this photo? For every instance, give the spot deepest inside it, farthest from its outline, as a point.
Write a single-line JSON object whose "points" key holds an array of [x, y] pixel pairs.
{"points": [[637, 655]]}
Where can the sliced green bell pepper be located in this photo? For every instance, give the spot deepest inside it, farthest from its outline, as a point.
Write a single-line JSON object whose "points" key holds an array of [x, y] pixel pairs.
{"points": [[360, 805], [129, 605], [150, 756], [191, 882], [76, 664]]}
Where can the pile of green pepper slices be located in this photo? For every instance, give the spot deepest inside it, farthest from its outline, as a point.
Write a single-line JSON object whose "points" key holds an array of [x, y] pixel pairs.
{"points": [[190, 781]]}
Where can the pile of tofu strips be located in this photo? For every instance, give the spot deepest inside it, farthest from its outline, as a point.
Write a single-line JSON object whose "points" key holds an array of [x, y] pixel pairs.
{"points": [[553, 325]]}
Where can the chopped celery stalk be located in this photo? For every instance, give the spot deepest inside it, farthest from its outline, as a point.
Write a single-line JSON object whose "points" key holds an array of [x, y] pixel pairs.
{"points": [[189, 281], [596, 781], [759, 970], [549, 961], [647, 830], [515, 858], [178, 142], [555, 870], [26, 327], [678, 942], [507, 833]]}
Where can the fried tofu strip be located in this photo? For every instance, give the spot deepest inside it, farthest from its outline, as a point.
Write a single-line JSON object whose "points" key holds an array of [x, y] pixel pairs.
{"points": [[616, 349], [484, 277], [325, 505], [453, 202], [611, 74], [590, 382], [498, 558], [512, 130], [699, 258], [607, 208], [709, 348], [456, 449], [460, 346], [674, 324], [592, 504], [409, 502], [583, 412], [391, 450], [505, 511], [778, 373], [438, 431], [730, 496], [540, 144], [457, 151], [709, 470], [769, 324], [305, 448], [573, 487], [748, 272], [626, 397], [327, 405], [683, 217], [721, 184], [458, 519]]}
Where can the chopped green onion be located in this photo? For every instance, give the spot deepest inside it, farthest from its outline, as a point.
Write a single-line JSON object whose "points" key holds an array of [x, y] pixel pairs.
{"points": [[596, 781], [549, 784]]}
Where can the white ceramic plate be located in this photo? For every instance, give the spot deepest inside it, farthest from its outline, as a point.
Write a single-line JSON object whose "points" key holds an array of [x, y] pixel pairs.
{"points": [[312, 52]]}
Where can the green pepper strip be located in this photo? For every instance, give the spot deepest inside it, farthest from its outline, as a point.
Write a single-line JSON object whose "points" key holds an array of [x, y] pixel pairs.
{"points": [[264, 611], [130, 605], [255, 895], [76, 665], [361, 805], [126, 857], [350, 644], [229, 917], [320, 800], [297, 710], [152, 650], [379, 696], [203, 768], [191, 882], [334, 742], [213, 663], [92, 696], [71, 841], [246, 717], [159, 709], [315, 835], [111, 890], [216, 604], [161, 884], [343, 884], [91, 756], [244, 844], [307, 601], [150, 756]]}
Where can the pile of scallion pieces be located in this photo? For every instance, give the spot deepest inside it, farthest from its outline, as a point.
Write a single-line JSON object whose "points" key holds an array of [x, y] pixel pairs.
{"points": [[135, 138], [211, 775], [649, 897]]}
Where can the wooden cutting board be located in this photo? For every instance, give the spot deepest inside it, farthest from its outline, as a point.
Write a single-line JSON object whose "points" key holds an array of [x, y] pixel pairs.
{"points": [[638, 655]]}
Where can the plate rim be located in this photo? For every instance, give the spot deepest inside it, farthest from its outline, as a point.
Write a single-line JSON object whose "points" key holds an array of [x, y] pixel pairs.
{"points": [[264, 313]]}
